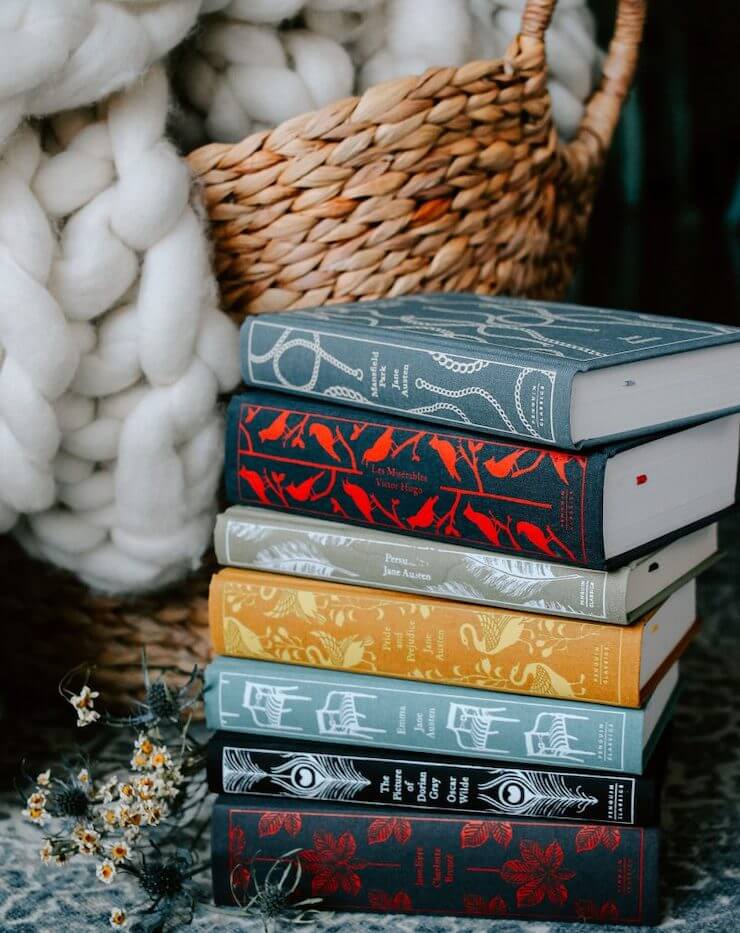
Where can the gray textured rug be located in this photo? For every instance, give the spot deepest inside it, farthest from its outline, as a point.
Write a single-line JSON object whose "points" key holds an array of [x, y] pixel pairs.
{"points": [[701, 817]]}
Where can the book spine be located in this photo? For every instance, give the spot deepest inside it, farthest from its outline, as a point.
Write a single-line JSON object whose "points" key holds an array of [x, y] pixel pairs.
{"points": [[286, 700], [253, 538], [355, 776], [397, 861], [327, 462], [331, 625], [412, 376]]}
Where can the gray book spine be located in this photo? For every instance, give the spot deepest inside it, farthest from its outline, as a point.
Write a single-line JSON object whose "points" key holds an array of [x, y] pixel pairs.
{"points": [[263, 540], [329, 706], [503, 393]]}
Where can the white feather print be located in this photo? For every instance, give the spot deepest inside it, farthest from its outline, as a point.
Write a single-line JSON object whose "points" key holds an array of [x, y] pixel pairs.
{"points": [[247, 531], [331, 539], [511, 576], [299, 558], [456, 589]]}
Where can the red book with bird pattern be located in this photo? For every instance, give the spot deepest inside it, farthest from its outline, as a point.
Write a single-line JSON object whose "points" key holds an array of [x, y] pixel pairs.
{"points": [[375, 470]]}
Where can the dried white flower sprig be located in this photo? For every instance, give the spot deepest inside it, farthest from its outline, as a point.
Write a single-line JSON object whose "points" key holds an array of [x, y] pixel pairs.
{"points": [[143, 814], [141, 819]]}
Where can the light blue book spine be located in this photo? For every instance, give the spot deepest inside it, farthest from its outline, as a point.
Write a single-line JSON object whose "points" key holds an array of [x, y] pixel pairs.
{"points": [[331, 706]]}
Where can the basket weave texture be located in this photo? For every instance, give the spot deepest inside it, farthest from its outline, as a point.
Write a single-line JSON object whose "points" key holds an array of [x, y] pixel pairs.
{"points": [[454, 180], [451, 181]]}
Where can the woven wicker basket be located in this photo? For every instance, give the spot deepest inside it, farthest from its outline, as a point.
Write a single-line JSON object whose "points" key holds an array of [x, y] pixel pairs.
{"points": [[454, 180]]}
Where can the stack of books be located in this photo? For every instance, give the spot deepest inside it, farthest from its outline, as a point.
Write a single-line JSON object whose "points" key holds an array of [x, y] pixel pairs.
{"points": [[461, 562]]}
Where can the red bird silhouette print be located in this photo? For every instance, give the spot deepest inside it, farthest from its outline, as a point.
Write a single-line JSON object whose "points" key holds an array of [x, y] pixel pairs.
{"points": [[361, 500], [257, 484], [560, 463], [447, 454], [490, 527], [303, 491], [274, 431], [380, 450], [426, 515], [506, 465], [543, 540], [326, 439]]}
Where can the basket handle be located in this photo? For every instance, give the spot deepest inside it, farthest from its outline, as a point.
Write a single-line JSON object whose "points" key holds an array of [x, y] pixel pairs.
{"points": [[604, 107]]}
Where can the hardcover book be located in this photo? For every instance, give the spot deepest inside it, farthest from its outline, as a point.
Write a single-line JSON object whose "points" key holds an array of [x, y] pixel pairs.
{"points": [[400, 861], [283, 700], [272, 767], [549, 373], [597, 509], [254, 614], [259, 539]]}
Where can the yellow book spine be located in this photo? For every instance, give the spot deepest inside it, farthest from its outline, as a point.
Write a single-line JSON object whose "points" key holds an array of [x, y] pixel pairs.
{"points": [[330, 625]]}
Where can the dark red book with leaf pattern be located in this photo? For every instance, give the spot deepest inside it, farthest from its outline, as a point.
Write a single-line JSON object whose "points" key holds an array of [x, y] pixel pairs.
{"points": [[396, 861]]}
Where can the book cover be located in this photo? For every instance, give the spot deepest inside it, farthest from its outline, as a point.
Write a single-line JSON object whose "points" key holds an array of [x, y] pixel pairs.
{"points": [[321, 624], [301, 703], [272, 767], [262, 539], [328, 462], [398, 861], [501, 365]]}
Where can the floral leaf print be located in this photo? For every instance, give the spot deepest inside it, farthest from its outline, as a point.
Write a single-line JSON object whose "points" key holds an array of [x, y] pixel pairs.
{"points": [[292, 823], [610, 837], [237, 842], [473, 834], [501, 833], [589, 837], [241, 878], [397, 903], [270, 824], [477, 832], [539, 874], [589, 911], [476, 905], [608, 912], [382, 829], [331, 865]]}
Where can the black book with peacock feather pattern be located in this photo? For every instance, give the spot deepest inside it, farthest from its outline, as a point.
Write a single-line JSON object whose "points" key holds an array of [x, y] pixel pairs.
{"points": [[262, 766]]}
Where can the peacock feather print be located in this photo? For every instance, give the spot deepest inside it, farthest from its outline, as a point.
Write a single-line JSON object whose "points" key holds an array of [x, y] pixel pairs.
{"points": [[323, 777], [240, 773], [315, 777], [530, 793]]}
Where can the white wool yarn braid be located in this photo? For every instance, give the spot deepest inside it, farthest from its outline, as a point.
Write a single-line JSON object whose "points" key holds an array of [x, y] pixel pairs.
{"points": [[247, 74], [59, 54], [54, 55], [38, 351], [243, 77], [141, 439]]}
